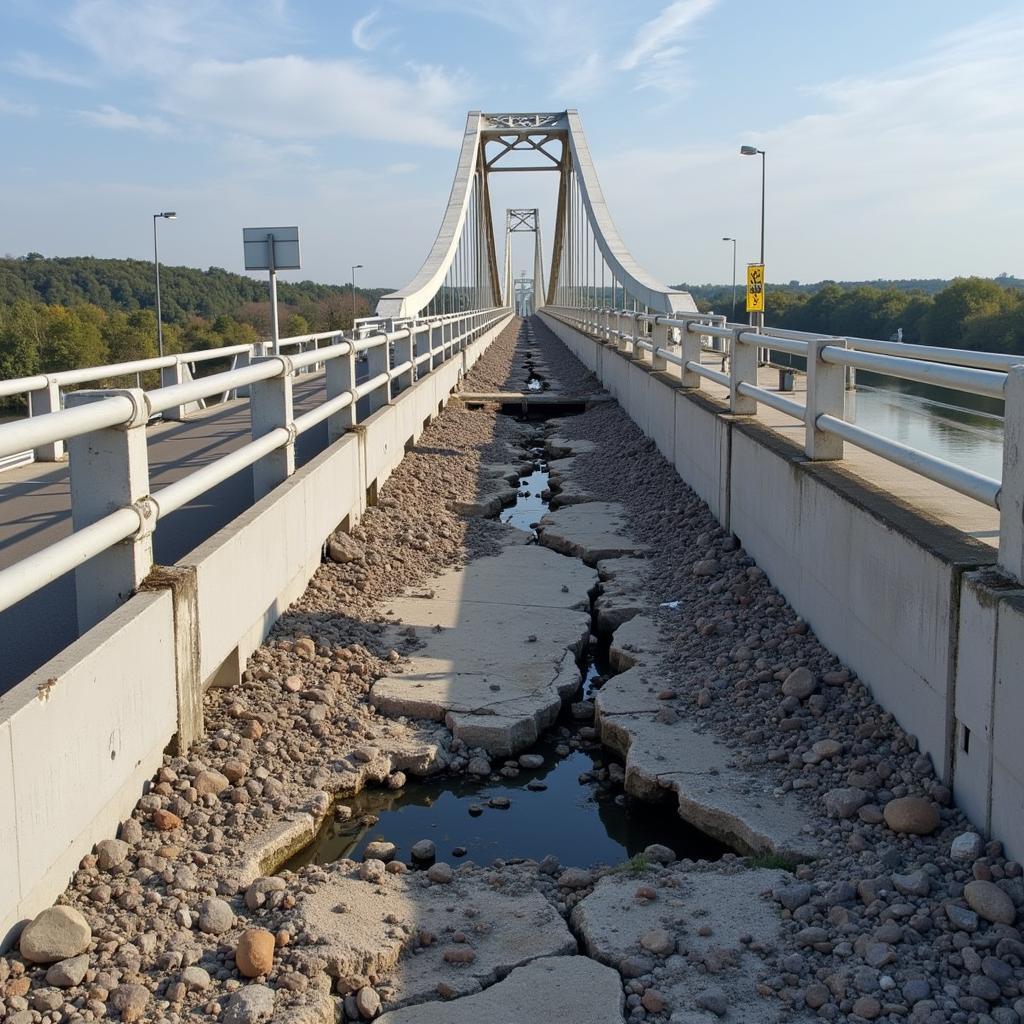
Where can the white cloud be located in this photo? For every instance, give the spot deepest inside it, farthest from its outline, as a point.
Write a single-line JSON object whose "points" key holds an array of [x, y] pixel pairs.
{"points": [[299, 98], [658, 38], [156, 38], [17, 109], [898, 174], [109, 116], [31, 65], [362, 35]]}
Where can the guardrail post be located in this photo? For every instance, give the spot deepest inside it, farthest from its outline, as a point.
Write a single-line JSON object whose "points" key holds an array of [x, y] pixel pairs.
{"points": [[691, 354], [339, 377], [39, 403], [742, 370], [661, 337], [270, 407], [433, 336], [109, 470], [169, 376], [826, 387], [378, 361], [1011, 493], [403, 354]]}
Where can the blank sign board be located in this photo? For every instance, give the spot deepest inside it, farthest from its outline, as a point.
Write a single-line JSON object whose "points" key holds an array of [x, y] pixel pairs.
{"points": [[271, 248]]}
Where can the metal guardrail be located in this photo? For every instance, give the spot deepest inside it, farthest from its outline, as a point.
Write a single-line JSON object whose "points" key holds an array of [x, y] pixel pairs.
{"points": [[396, 355], [678, 341]]}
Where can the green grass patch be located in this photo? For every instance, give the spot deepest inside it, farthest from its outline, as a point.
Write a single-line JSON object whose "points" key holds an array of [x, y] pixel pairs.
{"points": [[634, 866], [772, 860]]}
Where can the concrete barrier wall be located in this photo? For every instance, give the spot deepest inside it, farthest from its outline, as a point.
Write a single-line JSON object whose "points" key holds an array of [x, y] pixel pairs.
{"points": [[80, 738], [908, 603]]}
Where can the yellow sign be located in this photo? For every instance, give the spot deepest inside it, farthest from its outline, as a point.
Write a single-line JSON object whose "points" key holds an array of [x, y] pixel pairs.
{"points": [[755, 287]]}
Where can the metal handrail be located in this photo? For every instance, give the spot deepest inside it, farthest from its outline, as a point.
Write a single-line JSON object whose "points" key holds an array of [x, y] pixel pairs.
{"points": [[40, 568], [978, 373]]}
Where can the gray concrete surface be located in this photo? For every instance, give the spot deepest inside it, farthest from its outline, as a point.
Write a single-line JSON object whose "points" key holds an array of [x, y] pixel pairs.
{"points": [[383, 921], [699, 929], [497, 685], [554, 990]]}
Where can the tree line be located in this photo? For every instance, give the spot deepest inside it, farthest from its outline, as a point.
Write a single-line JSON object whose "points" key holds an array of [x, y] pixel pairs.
{"points": [[969, 312], [66, 313]]}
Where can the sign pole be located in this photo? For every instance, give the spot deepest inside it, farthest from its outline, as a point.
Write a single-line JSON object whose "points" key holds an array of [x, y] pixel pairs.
{"points": [[274, 333]]}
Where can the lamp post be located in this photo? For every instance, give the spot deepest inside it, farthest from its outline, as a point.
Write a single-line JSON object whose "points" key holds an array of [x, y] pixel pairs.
{"points": [[357, 266], [733, 240], [167, 215], [754, 151]]}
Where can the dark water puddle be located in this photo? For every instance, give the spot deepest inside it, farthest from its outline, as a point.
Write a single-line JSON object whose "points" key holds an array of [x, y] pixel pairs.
{"points": [[550, 811], [531, 502], [572, 806]]}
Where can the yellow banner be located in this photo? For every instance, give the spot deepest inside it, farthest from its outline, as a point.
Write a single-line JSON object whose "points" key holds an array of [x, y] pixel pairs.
{"points": [[755, 287]]}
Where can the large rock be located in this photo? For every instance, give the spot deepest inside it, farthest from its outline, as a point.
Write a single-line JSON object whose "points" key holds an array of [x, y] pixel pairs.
{"points": [[911, 815], [130, 1001], [342, 548], [987, 900], [250, 1005], [800, 683], [215, 916], [254, 952], [68, 973], [55, 934], [554, 990]]}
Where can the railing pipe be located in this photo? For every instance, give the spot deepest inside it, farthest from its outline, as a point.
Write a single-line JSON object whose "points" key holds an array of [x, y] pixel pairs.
{"points": [[965, 481], [67, 423]]}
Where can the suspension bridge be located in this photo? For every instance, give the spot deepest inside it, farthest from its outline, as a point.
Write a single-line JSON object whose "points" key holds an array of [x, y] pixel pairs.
{"points": [[150, 538]]}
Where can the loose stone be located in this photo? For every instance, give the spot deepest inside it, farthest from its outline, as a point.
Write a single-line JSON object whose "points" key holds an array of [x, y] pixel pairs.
{"points": [[987, 900], [911, 815], [254, 952], [215, 916], [57, 933]]}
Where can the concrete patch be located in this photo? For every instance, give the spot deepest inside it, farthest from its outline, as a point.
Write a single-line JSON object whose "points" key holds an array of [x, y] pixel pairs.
{"points": [[622, 592], [734, 807], [366, 931], [555, 990], [727, 904], [502, 662], [559, 446], [592, 532]]}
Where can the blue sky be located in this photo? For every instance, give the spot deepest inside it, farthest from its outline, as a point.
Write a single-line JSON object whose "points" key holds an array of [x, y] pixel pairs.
{"points": [[894, 131]]}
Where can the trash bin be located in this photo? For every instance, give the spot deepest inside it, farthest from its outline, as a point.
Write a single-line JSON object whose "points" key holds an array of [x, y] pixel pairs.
{"points": [[785, 380]]}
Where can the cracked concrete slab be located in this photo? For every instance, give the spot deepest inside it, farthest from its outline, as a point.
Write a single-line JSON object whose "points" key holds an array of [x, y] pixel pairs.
{"points": [[637, 642], [555, 990], [566, 490], [499, 641], [592, 531], [727, 904], [560, 446], [734, 807], [407, 937], [623, 592]]}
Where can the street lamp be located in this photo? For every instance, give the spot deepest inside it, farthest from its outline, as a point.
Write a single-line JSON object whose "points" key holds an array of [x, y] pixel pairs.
{"points": [[168, 215], [733, 240], [357, 266], [754, 151]]}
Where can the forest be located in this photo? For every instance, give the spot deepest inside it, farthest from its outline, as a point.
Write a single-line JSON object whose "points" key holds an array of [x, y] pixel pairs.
{"points": [[968, 312], [69, 312]]}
